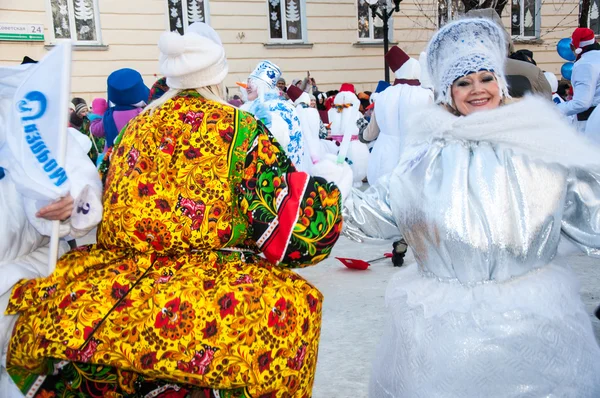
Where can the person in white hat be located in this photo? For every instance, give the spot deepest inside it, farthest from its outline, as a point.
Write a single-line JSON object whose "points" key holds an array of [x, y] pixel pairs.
{"points": [[189, 289], [483, 194]]}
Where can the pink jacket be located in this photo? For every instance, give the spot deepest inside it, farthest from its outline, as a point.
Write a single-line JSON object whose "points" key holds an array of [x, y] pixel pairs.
{"points": [[121, 119]]}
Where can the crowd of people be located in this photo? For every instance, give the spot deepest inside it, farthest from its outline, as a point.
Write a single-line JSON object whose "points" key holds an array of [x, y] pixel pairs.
{"points": [[476, 159]]}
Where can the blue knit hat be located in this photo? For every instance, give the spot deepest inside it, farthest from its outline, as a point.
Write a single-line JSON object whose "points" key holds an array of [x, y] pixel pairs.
{"points": [[126, 87], [382, 85]]}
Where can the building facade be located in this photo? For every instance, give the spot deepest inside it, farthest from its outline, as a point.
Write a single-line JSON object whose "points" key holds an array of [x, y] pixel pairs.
{"points": [[335, 40]]}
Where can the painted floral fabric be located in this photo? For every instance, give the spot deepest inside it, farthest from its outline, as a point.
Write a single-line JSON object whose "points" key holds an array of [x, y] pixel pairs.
{"points": [[190, 281]]}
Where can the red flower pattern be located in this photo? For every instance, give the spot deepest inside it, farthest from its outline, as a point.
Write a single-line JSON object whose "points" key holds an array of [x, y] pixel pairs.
{"points": [[264, 361], [162, 205], [210, 329], [282, 317], [175, 319], [192, 118], [192, 153], [148, 360], [146, 189], [227, 305]]}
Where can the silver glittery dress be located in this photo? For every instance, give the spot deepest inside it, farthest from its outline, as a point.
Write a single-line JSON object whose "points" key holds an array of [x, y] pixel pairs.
{"points": [[487, 310]]}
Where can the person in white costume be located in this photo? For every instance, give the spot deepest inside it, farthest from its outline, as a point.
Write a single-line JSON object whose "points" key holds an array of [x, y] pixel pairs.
{"points": [[315, 149], [394, 105], [26, 223], [586, 84], [483, 194], [267, 105], [344, 117]]}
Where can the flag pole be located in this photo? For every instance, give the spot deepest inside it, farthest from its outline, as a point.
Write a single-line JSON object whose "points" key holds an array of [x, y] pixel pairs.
{"points": [[62, 149]]}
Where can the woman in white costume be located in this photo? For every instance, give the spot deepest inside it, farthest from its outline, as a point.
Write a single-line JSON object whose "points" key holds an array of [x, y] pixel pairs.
{"points": [[482, 195], [26, 224]]}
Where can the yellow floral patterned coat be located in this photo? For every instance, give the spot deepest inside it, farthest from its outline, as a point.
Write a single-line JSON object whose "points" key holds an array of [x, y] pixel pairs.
{"points": [[175, 289]]}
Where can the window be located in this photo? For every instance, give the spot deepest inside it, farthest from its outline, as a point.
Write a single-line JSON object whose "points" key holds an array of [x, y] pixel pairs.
{"points": [[369, 28], [77, 20], [449, 10], [525, 19], [287, 20], [183, 13], [593, 15]]}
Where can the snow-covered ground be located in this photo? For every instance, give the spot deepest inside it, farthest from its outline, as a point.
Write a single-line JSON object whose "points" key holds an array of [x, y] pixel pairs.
{"points": [[353, 312]]}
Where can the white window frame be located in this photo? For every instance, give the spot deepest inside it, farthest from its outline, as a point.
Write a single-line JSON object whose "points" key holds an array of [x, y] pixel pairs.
{"points": [[537, 21], [185, 13], [371, 38], [73, 26], [302, 8]]}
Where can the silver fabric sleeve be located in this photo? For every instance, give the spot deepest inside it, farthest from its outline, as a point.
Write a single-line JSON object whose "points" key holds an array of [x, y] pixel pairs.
{"points": [[581, 218], [368, 214]]}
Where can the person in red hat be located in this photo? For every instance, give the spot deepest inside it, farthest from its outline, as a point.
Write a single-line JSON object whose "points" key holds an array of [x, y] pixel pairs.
{"points": [[347, 121], [585, 79], [361, 122]]}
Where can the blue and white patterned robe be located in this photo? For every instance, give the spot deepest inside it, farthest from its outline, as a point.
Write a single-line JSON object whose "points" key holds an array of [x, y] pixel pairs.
{"points": [[272, 104]]}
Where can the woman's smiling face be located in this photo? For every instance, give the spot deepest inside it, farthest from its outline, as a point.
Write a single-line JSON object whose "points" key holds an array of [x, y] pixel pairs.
{"points": [[476, 92]]}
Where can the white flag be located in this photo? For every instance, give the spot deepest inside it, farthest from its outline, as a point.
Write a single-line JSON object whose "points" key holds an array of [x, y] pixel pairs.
{"points": [[38, 125]]}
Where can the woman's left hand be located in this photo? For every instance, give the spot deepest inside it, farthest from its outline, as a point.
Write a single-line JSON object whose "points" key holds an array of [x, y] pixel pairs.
{"points": [[59, 210]]}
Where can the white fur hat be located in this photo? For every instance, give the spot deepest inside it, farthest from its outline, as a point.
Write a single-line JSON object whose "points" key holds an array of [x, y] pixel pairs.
{"points": [[463, 47], [196, 59]]}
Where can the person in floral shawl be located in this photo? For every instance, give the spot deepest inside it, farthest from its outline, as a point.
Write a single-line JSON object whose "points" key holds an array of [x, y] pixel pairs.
{"points": [[189, 288]]}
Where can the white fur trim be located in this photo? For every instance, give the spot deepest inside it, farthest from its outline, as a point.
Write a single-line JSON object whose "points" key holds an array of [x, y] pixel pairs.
{"points": [[522, 126], [578, 51], [584, 43]]}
